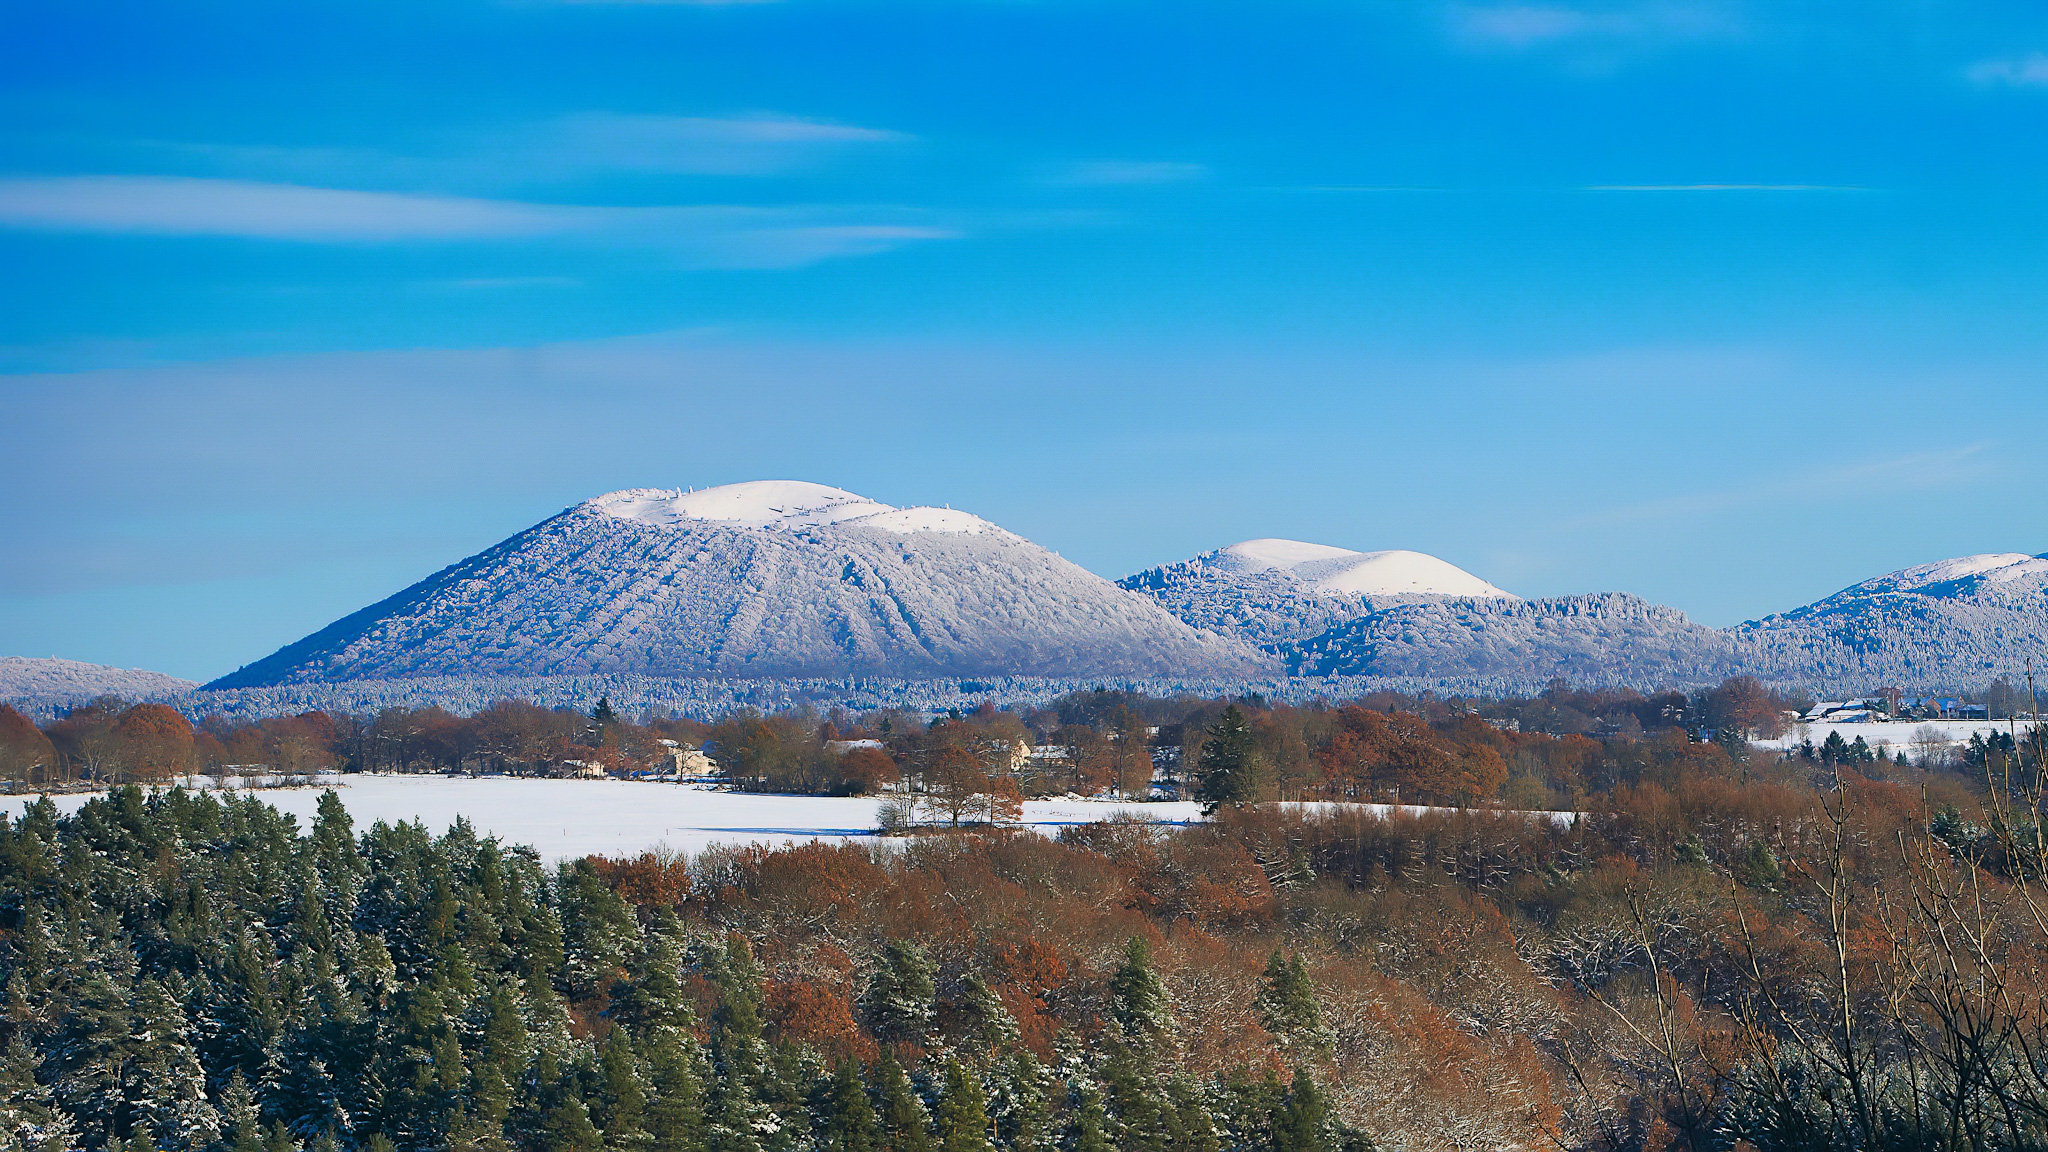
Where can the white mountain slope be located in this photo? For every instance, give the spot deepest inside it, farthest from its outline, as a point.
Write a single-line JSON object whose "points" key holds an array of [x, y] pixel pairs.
{"points": [[1270, 591], [1373, 574], [1951, 623], [52, 679], [772, 578]]}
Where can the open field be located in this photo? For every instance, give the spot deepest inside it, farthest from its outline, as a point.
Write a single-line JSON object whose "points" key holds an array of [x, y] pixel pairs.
{"points": [[569, 818], [1900, 735]]}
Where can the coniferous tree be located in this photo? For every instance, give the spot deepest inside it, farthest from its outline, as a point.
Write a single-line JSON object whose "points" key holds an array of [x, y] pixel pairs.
{"points": [[1229, 767], [1137, 998], [847, 1120], [962, 1114], [1301, 1122], [620, 1101], [675, 1111], [901, 998], [29, 1117], [906, 1125], [1018, 1103], [1090, 1125], [1287, 1004], [567, 1128]]}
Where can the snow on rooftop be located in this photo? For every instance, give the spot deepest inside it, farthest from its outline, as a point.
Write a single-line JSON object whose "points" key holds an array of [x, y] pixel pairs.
{"points": [[1389, 573], [780, 504]]}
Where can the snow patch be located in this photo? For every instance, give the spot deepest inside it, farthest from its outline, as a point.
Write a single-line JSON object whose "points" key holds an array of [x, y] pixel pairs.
{"points": [[907, 520], [781, 504], [1995, 567], [1395, 572], [564, 819], [755, 503]]}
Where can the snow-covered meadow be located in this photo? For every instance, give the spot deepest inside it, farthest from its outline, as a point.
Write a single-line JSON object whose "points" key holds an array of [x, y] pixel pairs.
{"points": [[569, 818], [1914, 737]]}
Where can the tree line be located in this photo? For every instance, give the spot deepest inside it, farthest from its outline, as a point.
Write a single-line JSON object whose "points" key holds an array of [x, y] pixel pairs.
{"points": [[971, 766], [1714, 953]]}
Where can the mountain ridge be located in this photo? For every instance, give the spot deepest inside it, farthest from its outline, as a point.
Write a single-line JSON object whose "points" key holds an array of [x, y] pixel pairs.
{"points": [[766, 579]]}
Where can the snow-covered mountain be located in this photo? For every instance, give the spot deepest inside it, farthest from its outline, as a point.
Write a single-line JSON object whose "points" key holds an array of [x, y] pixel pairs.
{"points": [[51, 679], [1602, 638], [1330, 612], [1270, 592], [1950, 623], [774, 578]]}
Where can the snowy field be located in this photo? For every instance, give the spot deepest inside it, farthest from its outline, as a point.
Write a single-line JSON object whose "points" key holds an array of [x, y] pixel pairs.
{"points": [[570, 818], [1899, 735]]}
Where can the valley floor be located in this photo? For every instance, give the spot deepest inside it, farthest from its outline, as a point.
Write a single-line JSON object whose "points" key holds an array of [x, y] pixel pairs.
{"points": [[570, 818]]}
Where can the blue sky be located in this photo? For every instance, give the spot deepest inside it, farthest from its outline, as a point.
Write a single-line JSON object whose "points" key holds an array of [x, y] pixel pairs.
{"points": [[1726, 304]]}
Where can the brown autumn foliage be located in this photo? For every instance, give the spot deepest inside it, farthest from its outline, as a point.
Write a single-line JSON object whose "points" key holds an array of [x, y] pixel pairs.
{"points": [[1619, 978]]}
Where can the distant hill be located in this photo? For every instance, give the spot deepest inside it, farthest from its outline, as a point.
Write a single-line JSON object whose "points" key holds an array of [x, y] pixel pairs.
{"points": [[49, 679], [758, 580], [1270, 592], [1602, 638], [1333, 612], [1952, 623]]}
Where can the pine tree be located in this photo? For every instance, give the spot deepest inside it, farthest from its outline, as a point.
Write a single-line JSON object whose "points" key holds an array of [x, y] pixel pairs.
{"points": [[243, 1125], [163, 1083], [675, 1110], [653, 996], [901, 998], [906, 1127], [1229, 766], [985, 1018], [1194, 1128], [848, 1122], [962, 1115], [1018, 1104], [567, 1128], [621, 1098], [1287, 1004], [1137, 998], [1090, 1125], [30, 1120], [1301, 1123]]}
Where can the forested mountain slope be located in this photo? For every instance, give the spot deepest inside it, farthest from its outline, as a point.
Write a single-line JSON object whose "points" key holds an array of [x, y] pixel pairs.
{"points": [[50, 678], [767, 579], [1944, 625]]}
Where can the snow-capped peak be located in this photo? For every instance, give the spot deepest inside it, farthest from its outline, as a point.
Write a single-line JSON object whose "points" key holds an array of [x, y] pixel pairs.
{"points": [[780, 504], [1985, 568], [1390, 573]]}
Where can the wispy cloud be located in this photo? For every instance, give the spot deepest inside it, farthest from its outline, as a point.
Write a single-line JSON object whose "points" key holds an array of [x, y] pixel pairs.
{"points": [[564, 147], [1112, 172], [2029, 71], [1724, 188], [654, 3], [1526, 26], [701, 235]]}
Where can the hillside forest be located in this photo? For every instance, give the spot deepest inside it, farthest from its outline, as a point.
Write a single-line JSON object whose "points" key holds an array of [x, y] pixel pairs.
{"points": [[1709, 950]]}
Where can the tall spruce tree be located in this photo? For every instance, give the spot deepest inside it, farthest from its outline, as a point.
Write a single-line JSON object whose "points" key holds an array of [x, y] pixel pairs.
{"points": [[1137, 998], [1229, 770], [905, 1124], [1287, 1005], [962, 1114], [847, 1121]]}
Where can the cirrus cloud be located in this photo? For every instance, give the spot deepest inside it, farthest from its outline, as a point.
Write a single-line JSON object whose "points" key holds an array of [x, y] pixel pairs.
{"points": [[720, 236], [2029, 71]]}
